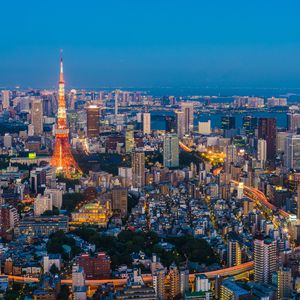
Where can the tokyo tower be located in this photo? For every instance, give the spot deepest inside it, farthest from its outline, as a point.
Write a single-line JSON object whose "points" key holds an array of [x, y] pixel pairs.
{"points": [[62, 158]]}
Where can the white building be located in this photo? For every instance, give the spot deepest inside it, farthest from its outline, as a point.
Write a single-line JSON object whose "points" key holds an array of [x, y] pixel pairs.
{"points": [[204, 127], [56, 195], [49, 260], [146, 123], [262, 152], [42, 204]]}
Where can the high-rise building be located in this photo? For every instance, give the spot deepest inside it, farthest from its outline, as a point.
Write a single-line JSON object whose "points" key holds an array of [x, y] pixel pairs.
{"points": [[62, 158], [42, 204], [184, 280], [262, 152], [129, 139], [7, 140], [204, 127], [146, 123], [138, 168], [180, 129], [228, 122], [188, 111], [120, 199], [171, 151], [284, 283], [250, 124], [174, 281], [292, 152], [265, 262], [267, 131], [92, 120], [298, 202], [234, 255], [37, 116], [159, 284], [5, 99], [293, 122], [9, 219]]}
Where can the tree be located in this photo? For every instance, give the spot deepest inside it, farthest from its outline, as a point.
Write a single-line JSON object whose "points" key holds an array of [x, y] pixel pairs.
{"points": [[54, 269]]}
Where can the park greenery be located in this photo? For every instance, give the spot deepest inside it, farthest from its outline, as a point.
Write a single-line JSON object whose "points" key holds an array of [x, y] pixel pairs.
{"points": [[120, 248]]}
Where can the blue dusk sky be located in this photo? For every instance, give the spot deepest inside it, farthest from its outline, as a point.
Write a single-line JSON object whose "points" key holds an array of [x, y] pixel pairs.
{"points": [[150, 43]]}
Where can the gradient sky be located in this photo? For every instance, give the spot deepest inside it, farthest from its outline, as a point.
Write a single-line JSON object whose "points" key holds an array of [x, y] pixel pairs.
{"points": [[151, 43]]}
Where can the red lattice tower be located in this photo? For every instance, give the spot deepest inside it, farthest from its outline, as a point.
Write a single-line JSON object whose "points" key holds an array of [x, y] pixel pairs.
{"points": [[62, 158]]}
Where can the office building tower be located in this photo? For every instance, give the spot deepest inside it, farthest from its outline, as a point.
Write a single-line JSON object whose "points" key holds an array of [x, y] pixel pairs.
{"points": [[138, 168], [234, 254], [174, 281], [57, 196], [284, 283], [146, 123], [265, 262], [79, 289], [117, 92], [5, 99], [180, 129], [159, 284], [204, 127], [184, 280], [92, 121], [129, 139], [171, 151], [37, 116], [42, 204], [293, 122], [119, 200], [292, 152], [170, 124], [37, 180], [228, 122], [250, 124], [262, 152], [188, 112], [267, 131]]}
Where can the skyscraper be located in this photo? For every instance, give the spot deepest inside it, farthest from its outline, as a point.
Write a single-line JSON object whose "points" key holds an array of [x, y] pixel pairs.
{"points": [[262, 152], [293, 122], [171, 151], [159, 284], [62, 157], [138, 168], [180, 129], [188, 111], [292, 152], [234, 255], [174, 281], [146, 123], [284, 283], [37, 116], [228, 122], [267, 131], [5, 99], [129, 138], [249, 124], [120, 199], [265, 262], [92, 118]]}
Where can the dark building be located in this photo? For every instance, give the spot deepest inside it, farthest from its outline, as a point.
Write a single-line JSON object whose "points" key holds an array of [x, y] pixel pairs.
{"points": [[119, 200], [92, 118], [227, 123], [267, 131], [250, 124], [95, 267], [170, 123]]}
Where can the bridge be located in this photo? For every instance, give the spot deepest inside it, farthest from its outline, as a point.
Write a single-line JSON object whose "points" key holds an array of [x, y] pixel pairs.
{"points": [[226, 272]]}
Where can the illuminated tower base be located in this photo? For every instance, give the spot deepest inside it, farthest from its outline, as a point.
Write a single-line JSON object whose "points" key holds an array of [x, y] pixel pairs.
{"points": [[63, 160]]}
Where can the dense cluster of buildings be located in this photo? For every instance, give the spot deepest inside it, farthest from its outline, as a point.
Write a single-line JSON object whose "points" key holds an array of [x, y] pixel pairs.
{"points": [[118, 160]]}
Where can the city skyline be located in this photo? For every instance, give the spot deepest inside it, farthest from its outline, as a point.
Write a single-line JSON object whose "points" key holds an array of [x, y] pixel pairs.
{"points": [[138, 44]]}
